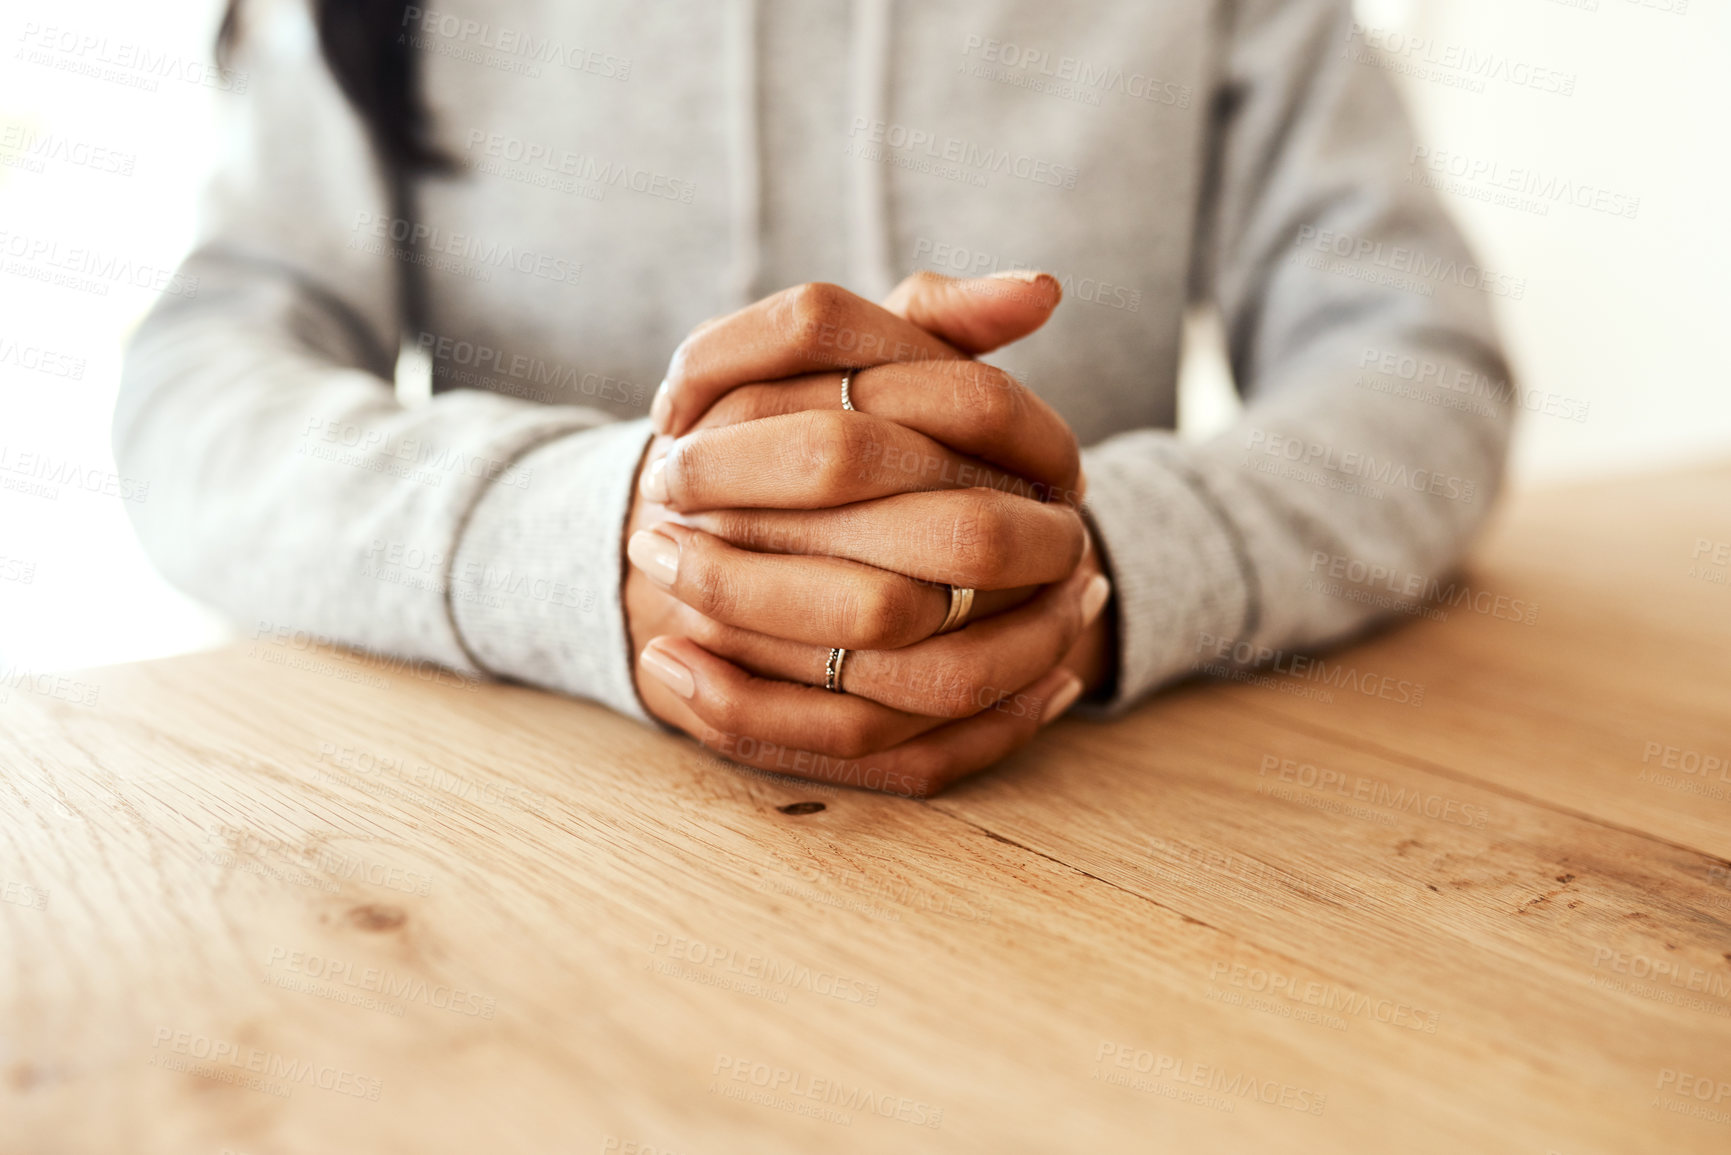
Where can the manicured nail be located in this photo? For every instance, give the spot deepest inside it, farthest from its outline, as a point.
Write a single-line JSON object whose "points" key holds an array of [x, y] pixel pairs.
{"points": [[664, 668], [1094, 598], [1062, 698], [1026, 276], [655, 555], [661, 408], [653, 487]]}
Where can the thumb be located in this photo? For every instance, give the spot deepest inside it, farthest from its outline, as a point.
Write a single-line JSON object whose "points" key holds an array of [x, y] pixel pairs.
{"points": [[977, 314]]}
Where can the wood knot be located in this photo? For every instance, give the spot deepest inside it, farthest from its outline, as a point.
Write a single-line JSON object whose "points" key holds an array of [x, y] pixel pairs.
{"points": [[377, 916], [797, 808]]}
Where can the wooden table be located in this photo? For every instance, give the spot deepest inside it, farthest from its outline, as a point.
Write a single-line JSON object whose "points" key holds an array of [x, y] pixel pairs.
{"points": [[272, 900]]}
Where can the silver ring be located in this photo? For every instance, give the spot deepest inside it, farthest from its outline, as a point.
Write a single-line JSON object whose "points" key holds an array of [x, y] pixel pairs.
{"points": [[961, 605], [846, 383], [832, 671]]}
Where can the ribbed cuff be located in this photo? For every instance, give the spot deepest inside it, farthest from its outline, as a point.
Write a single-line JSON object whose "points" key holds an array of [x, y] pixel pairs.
{"points": [[535, 580], [1179, 572]]}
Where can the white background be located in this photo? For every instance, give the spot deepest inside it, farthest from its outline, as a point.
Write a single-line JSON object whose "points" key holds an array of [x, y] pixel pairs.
{"points": [[1627, 315]]}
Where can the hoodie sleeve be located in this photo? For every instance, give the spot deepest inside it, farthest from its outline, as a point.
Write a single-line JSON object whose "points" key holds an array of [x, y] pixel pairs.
{"points": [[287, 485], [1357, 324]]}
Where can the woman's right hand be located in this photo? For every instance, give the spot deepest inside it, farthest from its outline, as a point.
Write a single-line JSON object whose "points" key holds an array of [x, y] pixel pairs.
{"points": [[732, 675]]}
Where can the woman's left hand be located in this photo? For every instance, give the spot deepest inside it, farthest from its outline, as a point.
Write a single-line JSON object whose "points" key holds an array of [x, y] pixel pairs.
{"points": [[784, 526]]}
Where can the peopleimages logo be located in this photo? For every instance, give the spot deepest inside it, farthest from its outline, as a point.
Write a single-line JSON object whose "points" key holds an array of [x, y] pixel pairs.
{"points": [[37, 359], [52, 472], [386, 983], [581, 170], [1071, 76], [514, 42], [1304, 668], [1361, 466], [1670, 972], [382, 450], [1376, 792], [123, 62], [474, 362], [1543, 188], [87, 269], [1326, 997], [798, 1093], [1455, 65], [1356, 253], [1229, 1086], [1354, 580], [224, 1061], [727, 962], [419, 236], [26, 148], [1704, 1088], [1426, 374], [964, 153]]}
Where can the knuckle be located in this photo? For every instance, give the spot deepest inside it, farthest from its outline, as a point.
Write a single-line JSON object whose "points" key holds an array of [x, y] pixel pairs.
{"points": [[746, 403], [981, 536], [747, 528], [693, 470], [705, 584], [924, 774], [878, 615], [956, 690], [858, 441], [855, 735], [725, 711], [703, 629], [829, 448], [788, 533], [992, 399], [808, 315]]}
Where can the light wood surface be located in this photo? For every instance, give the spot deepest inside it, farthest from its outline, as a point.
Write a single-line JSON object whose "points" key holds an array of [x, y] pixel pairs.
{"points": [[429, 918]]}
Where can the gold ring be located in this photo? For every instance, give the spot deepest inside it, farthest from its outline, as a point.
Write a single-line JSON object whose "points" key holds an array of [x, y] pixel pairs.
{"points": [[846, 383], [832, 671], [961, 605]]}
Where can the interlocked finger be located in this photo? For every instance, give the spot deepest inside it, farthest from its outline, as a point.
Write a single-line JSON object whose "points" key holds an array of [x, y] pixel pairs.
{"points": [[705, 687], [949, 676]]}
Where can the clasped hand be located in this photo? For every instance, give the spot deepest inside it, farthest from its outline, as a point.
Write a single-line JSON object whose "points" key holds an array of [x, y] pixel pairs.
{"points": [[770, 525]]}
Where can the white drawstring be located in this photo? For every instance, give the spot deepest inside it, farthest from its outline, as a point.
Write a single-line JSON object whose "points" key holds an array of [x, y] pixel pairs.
{"points": [[869, 261], [746, 224], [869, 264]]}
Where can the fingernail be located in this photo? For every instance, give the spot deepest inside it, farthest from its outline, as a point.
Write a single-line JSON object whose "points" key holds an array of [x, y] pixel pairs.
{"points": [[662, 666], [1094, 597], [1061, 699], [661, 408], [655, 555], [653, 487], [1026, 276]]}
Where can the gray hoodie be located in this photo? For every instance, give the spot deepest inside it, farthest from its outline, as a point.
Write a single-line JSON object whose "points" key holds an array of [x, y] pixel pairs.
{"points": [[628, 170]]}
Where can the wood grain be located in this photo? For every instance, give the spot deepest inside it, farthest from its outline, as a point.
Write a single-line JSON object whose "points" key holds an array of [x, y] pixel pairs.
{"points": [[1630, 650], [528, 925]]}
